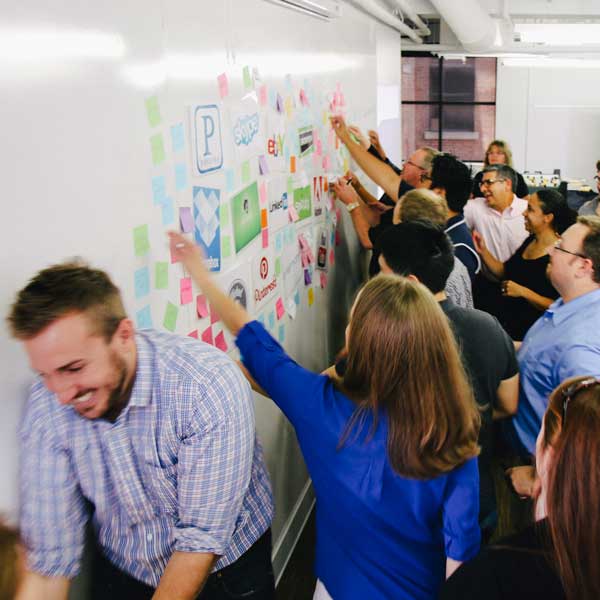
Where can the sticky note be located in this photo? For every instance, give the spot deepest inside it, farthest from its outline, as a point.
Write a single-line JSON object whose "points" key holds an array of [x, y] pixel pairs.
{"points": [[224, 215], [214, 315], [292, 164], [168, 211], [180, 176], [279, 103], [157, 148], [185, 290], [247, 77], [316, 161], [307, 277], [279, 308], [193, 334], [159, 189], [293, 213], [230, 179], [161, 275], [225, 246], [291, 308], [142, 282], [223, 85], [323, 279], [263, 218], [170, 320], [297, 298], [246, 172], [177, 139], [311, 296], [265, 238], [331, 257], [207, 335], [279, 242], [326, 163], [262, 95], [281, 334], [143, 318], [303, 98], [220, 342], [263, 167], [140, 240], [185, 219], [201, 306], [262, 193], [277, 266], [290, 187], [153, 111], [271, 320]]}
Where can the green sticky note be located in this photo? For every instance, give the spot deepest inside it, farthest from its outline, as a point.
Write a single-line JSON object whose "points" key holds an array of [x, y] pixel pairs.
{"points": [[224, 210], [247, 78], [170, 320], [225, 246], [161, 273], [246, 172], [153, 111], [140, 240], [157, 147], [290, 187], [277, 266]]}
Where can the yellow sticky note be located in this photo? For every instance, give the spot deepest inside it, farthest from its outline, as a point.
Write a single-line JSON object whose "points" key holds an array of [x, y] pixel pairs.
{"points": [[311, 296]]}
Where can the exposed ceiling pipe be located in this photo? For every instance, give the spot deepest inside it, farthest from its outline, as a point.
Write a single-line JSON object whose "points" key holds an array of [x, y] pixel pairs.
{"points": [[406, 8], [471, 24], [374, 9]]}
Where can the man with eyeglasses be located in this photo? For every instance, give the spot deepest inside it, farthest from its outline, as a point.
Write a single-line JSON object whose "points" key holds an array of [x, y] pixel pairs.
{"points": [[565, 341], [592, 207]]}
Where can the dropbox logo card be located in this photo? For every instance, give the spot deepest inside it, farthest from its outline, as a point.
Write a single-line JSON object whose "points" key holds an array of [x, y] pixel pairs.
{"points": [[208, 144], [207, 229]]}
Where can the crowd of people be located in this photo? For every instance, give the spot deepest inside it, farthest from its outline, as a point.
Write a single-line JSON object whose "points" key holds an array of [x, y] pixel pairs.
{"points": [[475, 334]]}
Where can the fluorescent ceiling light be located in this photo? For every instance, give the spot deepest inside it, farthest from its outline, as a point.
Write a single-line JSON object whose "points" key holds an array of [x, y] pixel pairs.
{"points": [[552, 62], [559, 34]]}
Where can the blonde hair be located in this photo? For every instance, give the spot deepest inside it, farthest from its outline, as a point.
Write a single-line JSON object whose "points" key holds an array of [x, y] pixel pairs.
{"points": [[503, 147], [421, 205]]}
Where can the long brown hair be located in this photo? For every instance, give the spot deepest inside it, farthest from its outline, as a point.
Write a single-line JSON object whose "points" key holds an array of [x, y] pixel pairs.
{"points": [[503, 147], [573, 495], [403, 361]]}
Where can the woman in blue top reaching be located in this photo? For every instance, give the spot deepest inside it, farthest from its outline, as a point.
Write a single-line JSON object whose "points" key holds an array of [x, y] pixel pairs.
{"points": [[391, 448]]}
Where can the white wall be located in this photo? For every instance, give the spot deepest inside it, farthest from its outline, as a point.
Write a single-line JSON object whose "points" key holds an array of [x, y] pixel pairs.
{"points": [[551, 118]]}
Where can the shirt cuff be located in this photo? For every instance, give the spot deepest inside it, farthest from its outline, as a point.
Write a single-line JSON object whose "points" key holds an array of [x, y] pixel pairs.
{"points": [[55, 563], [463, 548], [192, 539]]}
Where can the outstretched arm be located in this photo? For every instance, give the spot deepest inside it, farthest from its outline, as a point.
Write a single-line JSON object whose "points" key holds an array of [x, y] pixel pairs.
{"points": [[492, 263], [381, 173]]}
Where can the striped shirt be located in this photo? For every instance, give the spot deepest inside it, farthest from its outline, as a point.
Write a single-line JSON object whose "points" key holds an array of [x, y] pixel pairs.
{"points": [[180, 469]]}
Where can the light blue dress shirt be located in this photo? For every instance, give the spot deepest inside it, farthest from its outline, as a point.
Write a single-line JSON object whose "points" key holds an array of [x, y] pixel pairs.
{"points": [[179, 470], [563, 343]]}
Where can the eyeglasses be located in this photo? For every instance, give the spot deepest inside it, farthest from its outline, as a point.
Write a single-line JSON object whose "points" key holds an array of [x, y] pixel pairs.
{"points": [[571, 391], [557, 246], [489, 182], [425, 176], [410, 162]]}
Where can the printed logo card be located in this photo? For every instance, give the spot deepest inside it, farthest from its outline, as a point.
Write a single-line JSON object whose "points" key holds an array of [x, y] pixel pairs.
{"points": [[207, 143], [207, 228], [245, 214]]}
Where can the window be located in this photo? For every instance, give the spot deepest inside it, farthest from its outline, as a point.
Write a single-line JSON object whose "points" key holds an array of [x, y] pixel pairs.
{"points": [[448, 104]]}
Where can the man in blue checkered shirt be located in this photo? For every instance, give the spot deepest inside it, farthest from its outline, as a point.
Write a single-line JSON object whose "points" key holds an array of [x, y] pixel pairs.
{"points": [[151, 436]]}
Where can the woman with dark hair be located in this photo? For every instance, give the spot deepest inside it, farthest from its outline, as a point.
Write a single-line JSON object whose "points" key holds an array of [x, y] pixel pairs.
{"points": [[391, 448], [559, 556], [498, 153], [526, 289]]}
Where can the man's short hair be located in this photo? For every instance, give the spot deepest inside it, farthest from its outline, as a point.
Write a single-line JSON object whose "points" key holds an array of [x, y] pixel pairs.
{"points": [[430, 154], [62, 289], [591, 242], [422, 205], [454, 177], [419, 249], [503, 172]]}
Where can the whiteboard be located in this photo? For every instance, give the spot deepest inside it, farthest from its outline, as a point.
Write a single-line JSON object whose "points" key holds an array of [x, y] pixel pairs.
{"points": [[103, 109]]}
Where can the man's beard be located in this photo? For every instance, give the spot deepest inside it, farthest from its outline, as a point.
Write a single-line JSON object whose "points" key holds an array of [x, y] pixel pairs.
{"points": [[119, 397]]}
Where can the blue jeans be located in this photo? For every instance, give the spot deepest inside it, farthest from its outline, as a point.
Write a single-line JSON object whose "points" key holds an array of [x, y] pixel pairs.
{"points": [[250, 577]]}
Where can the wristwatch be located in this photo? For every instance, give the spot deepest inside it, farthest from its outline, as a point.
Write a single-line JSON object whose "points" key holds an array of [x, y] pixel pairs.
{"points": [[350, 207]]}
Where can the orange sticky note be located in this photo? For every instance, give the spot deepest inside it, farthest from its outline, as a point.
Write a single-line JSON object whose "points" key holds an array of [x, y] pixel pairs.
{"points": [[292, 164], [263, 218]]}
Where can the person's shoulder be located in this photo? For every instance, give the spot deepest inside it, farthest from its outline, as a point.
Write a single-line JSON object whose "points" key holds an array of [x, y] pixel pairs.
{"points": [[475, 321]]}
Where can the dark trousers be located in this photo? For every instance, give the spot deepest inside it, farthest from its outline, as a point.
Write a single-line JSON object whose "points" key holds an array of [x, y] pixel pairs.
{"points": [[250, 577]]}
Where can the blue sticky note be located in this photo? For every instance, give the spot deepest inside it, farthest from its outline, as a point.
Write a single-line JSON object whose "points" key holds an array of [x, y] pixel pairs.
{"points": [[272, 320], [278, 242], [297, 298], [230, 177], [286, 155], [272, 98], [177, 137], [143, 318], [159, 189], [142, 282], [261, 319], [180, 176], [281, 335], [168, 212]]}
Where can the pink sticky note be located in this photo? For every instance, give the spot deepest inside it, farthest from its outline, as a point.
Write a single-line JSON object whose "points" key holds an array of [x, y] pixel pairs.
{"points": [[323, 278], [303, 98], [331, 257], [223, 85], [316, 161], [193, 334], [311, 256], [214, 316], [326, 163], [319, 148], [186, 220], [201, 306], [265, 238], [304, 259], [293, 213], [263, 167], [207, 335], [262, 95], [220, 342], [279, 308], [262, 192], [185, 290], [302, 241]]}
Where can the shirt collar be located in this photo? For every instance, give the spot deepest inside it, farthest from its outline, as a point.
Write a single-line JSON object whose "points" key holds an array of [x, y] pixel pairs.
{"points": [[560, 311], [141, 394], [454, 222]]}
